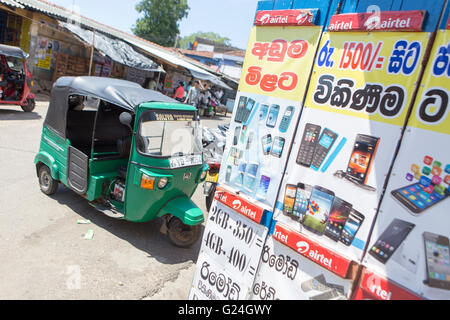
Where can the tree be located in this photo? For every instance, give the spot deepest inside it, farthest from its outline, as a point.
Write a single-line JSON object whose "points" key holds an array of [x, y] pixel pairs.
{"points": [[160, 23], [184, 43]]}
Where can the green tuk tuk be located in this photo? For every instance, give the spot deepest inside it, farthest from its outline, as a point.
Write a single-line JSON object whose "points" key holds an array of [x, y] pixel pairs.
{"points": [[133, 153]]}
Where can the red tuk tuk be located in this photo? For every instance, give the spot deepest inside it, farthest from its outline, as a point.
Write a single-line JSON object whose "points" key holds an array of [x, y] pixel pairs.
{"points": [[15, 79]]}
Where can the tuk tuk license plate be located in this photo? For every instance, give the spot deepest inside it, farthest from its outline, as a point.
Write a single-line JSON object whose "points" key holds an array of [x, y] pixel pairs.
{"points": [[185, 161], [212, 177]]}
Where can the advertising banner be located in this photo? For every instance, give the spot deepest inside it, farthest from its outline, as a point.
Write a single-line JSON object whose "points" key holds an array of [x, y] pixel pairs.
{"points": [[410, 241], [284, 274], [357, 103], [268, 105], [230, 252]]}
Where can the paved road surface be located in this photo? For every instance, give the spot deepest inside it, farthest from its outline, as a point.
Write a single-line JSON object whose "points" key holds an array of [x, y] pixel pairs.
{"points": [[43, 254]]}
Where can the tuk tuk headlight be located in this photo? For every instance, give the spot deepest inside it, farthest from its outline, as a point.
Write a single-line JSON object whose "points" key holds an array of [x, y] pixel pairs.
{"points": [[162, 183], [147, 182]]}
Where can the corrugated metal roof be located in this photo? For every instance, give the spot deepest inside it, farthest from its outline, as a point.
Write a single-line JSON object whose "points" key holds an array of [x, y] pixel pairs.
{"points": [[12, 3]]}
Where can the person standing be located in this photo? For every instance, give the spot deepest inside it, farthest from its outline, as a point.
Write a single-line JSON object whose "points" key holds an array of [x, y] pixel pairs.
{"points": [[179, 92], [192, 95]]}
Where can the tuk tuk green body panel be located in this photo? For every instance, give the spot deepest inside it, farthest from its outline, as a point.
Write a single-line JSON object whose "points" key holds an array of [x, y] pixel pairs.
{"points": [[53, 153]]}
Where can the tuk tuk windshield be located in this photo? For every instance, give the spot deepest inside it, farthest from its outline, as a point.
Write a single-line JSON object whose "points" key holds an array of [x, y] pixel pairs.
{"points": [[15, 64], [169, 134]]}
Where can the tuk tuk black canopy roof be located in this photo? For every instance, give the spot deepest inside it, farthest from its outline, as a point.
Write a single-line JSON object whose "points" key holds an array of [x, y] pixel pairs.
{"points": [[13, 52], [125, 94]]}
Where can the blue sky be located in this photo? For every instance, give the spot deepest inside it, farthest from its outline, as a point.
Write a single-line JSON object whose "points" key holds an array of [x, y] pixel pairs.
{"points": [[229, 18]]}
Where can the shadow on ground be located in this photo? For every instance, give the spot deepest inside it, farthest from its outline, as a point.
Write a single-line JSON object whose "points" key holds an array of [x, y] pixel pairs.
{"points": [[144, 236], [11, 114]]}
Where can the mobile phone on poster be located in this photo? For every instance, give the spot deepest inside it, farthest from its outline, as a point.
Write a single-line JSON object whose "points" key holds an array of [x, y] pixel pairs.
{"points": [[267, 144], [340, 212], [362, 158], [237, 133], [248, 109], [437, 257], [319, 208], [263, 111], [390, 240], [324, 145], [308, 144], [243, 134], [249, 140], [263, 188], [278, 146], [420, 196], [286, 119], [273, 116], [301, 200], [240, 109], [351, 227], [289, 199], [228, 174]]}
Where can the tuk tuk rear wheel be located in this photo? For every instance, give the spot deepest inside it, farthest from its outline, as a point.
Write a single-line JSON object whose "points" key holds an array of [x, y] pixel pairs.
{"points": [[182, 235], [29, 107], [46, 182]]}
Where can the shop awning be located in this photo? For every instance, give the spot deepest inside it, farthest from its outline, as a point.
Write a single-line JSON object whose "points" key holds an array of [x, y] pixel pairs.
{"points": [[12, 3], [195, 71], [116, 49]]}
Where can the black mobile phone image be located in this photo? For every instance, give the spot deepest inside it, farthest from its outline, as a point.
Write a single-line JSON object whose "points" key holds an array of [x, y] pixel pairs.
{"points": [[228, 174], [319, 209], [302, 200], [351, 227], [237, 134], [248, 109], [437, 257], [390, 240], [308, 145], [267, 144], [289, 199], [324, 145], [240, 109], [278, 146], [340, 212], [273, 116], [416, 199], [361, 160]]}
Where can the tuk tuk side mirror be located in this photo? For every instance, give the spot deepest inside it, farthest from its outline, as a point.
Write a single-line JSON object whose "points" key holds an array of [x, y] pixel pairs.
{"points": [[126, 119]]}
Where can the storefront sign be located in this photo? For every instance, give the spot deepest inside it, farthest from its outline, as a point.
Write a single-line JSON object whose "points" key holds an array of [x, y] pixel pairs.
{"points": [[305, 17], [312, 250], [378, 288], [381, 21], [231, 248]]}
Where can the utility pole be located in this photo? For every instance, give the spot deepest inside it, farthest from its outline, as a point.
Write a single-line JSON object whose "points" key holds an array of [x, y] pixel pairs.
{"points": [[176, 41], [92, 53]]}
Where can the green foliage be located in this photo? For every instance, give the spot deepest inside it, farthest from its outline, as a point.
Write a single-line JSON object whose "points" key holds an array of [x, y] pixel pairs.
{"points": [[160, 21], [184, 43]]}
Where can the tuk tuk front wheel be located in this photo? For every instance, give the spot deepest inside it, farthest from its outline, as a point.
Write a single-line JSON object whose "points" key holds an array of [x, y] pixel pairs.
{"points": [[182, 235], [46, 182], [29, 107]]}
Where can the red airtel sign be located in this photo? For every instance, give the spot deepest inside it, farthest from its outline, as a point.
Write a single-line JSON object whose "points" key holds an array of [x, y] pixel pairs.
{"points": [[379, 21], [300, 17], [238, 204], [312, 250], [375, 287]]}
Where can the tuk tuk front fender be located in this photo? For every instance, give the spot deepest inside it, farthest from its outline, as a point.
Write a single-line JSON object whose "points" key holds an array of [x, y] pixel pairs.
{"points": [[45, 158], [184, 209]]}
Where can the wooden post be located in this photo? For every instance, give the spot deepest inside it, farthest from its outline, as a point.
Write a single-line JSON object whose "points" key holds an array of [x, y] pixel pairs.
{"points": [[92, 53]]}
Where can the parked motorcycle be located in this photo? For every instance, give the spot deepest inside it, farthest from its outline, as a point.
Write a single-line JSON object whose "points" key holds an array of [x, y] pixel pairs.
{"points": [[213, 147]]}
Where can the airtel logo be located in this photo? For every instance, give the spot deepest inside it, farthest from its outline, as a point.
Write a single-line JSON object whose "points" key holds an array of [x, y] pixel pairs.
{"points": [[303, 17], [302, 247], [236, 204], [265, 18]]}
